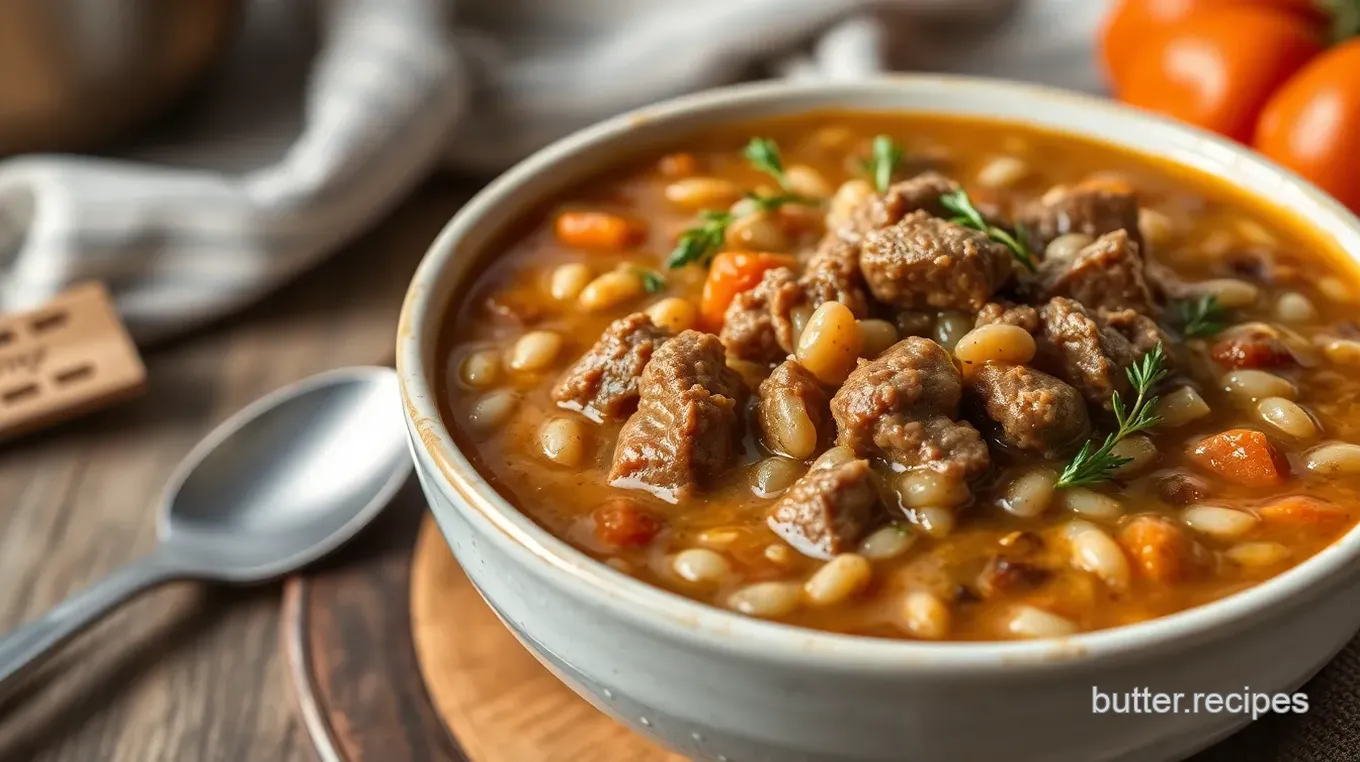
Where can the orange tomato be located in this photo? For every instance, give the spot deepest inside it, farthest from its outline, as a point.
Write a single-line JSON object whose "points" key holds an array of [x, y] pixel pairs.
{"points": [[1131, 22], [731, 273], [1312, 124], [1217, 69]]}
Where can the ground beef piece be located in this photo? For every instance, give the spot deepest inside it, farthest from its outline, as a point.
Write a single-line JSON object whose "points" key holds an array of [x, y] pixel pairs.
{"points": [[1091, 356], [1165, 284], [1108, 274], [687, 428], [1090, 208], [1036, 411], [826, 510], [1141, 331], [792, 412], [920, 193], [902, 406], [1020, 315], [832, 275], [604, 382], [924, 261], [757, 325]]}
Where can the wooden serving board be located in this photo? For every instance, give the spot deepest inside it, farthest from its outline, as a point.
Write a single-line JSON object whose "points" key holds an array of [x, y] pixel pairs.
{"points": [[395, 658]]}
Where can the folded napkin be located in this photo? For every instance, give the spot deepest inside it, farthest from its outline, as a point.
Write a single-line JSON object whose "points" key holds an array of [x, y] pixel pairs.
{"points": [[323, 116]]}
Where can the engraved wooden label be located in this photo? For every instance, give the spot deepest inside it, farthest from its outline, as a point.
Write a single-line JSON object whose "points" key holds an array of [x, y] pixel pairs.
{"points": [[67, 357]]}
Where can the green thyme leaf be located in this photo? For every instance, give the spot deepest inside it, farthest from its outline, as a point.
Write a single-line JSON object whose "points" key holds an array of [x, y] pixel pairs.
{"points": [[1098, 465], [968, 216]]}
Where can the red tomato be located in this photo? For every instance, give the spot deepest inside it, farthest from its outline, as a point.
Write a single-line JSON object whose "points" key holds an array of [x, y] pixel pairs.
{"points": [[1217, 70], [1312, 124], [1131, 22]]}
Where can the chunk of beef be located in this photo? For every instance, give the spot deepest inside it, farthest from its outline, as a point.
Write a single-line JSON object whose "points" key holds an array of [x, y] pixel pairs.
{"points": [[1091, 356], [833, 275], [792, 412], [1020, 315], [920, 193], [1165, 284], [1107, 274], [604, 381], [687, 428], [1090, 208], [1036, 411], [826, 510], [925, 261], [757, 325], [1142, 331], [902, 406]]}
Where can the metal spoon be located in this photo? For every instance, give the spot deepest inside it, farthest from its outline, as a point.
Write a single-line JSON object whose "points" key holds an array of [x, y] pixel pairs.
{"points": [[278, 485]]}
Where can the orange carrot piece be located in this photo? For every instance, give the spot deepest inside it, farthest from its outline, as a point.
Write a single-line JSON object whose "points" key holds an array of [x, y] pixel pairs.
{"points": [[1245, 456], [596, 230], [731, 273], [1162, 551], [1302, 510], [622, 523]]}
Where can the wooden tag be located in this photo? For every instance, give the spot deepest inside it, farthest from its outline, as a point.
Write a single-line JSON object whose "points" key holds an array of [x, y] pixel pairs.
{"points": [[70, 356]]}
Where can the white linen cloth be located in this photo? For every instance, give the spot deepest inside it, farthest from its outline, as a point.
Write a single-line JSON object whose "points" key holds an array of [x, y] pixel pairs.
{"points": [[324, 116]]}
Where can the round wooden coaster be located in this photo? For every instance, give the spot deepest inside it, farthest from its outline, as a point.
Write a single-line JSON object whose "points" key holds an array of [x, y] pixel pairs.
{"points": [[394, 657], [499, 702]]}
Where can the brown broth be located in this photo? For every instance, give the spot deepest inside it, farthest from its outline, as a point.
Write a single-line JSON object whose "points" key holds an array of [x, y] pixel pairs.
{"points": [[1219, 229]]}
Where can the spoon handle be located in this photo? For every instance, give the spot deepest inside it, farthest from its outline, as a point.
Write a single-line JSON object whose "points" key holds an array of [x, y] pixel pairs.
{"points": [[27, 647]]}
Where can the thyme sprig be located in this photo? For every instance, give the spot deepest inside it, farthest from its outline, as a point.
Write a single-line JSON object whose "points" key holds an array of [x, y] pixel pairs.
{"points": [[698, 244], [968, 216], [1201, 317], [883, 162], [1098, 465]]}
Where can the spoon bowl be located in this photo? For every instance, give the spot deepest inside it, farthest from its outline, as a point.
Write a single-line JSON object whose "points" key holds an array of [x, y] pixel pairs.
{"points": [[326, 458], [275, 487]]}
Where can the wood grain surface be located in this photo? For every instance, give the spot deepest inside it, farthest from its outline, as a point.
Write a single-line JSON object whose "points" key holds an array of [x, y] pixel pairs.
{"points": [[499, 702], [187, 674]]}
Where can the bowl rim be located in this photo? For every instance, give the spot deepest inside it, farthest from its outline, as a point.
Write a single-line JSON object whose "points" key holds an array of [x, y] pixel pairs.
{"points": [[655, 608]]}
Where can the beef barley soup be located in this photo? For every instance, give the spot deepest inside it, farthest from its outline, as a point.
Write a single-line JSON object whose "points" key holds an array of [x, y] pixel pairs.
{"points": [[916, 377]]}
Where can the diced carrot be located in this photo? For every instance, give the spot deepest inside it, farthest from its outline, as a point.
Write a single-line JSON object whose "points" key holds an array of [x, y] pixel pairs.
{"points": [[597, 230], [731, 273], [1162, 551], [678, 165], [621, 523], [1251, 349], [1303, 510], [1245, 456]]}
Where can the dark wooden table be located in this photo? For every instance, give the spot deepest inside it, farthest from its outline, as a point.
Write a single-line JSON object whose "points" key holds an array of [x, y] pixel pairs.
{"points": [[186, 674]]}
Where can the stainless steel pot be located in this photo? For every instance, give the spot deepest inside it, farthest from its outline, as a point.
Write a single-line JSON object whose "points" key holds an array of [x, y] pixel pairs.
{"points": [[76, 73]]}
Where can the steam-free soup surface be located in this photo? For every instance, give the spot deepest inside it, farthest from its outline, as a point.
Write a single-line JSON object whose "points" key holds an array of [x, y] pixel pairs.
{"points": [[916, 377]]}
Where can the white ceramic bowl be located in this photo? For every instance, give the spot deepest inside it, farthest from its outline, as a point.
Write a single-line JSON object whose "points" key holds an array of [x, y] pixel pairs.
{"points": [[715, 685]]}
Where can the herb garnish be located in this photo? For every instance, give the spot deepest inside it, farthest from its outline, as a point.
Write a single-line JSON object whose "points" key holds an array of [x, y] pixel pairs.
{"points": [[652, 281], [968, 216], [1201, 317], [699, 243], [881, 165], [1094, 467]]}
